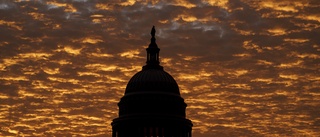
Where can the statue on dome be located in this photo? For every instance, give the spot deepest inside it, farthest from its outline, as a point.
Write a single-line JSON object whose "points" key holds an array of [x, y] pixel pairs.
{"points": [[153, 31]]}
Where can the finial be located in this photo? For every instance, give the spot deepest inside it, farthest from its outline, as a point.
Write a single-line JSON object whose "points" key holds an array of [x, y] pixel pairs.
{"points": [[153, 53], [153, 31], [153, 39]]}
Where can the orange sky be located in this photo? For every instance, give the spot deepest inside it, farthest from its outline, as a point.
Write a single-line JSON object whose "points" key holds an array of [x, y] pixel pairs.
{"points": [[244, 67]]}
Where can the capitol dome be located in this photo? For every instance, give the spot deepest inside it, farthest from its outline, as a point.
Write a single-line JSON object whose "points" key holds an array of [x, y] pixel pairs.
{"points": [[152, 80], [152, 105]]}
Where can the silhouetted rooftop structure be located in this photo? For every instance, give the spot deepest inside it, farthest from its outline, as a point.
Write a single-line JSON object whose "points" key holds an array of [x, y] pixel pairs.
{"points": [[152, 105]]}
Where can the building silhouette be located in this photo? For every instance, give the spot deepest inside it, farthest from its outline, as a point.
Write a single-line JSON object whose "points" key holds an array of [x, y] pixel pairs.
{"points": [[152, 105]]}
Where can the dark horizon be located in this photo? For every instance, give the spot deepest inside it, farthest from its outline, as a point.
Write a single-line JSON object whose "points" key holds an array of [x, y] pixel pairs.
{"points": [[245, 68]]}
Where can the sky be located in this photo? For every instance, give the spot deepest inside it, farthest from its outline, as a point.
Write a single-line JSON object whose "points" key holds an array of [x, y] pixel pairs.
{"points": [[244, 67]]}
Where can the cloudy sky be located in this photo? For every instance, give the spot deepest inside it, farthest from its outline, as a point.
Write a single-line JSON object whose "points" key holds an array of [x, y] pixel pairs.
{"points": [[244, 67]]}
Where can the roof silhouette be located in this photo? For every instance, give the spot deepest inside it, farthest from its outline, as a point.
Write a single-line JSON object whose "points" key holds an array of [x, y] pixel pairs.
{"points": [[152, 105]]}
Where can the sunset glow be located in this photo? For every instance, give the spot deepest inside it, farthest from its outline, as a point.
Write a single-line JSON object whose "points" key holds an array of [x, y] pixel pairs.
{"points": [[244, 67]]}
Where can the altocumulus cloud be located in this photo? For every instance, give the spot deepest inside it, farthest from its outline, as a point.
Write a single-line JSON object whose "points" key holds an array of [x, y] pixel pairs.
{"points": [[245, 68]]}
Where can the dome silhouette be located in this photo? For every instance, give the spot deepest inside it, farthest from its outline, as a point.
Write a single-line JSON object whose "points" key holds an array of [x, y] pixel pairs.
{"points": [[152, 80], [152, 105]]}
